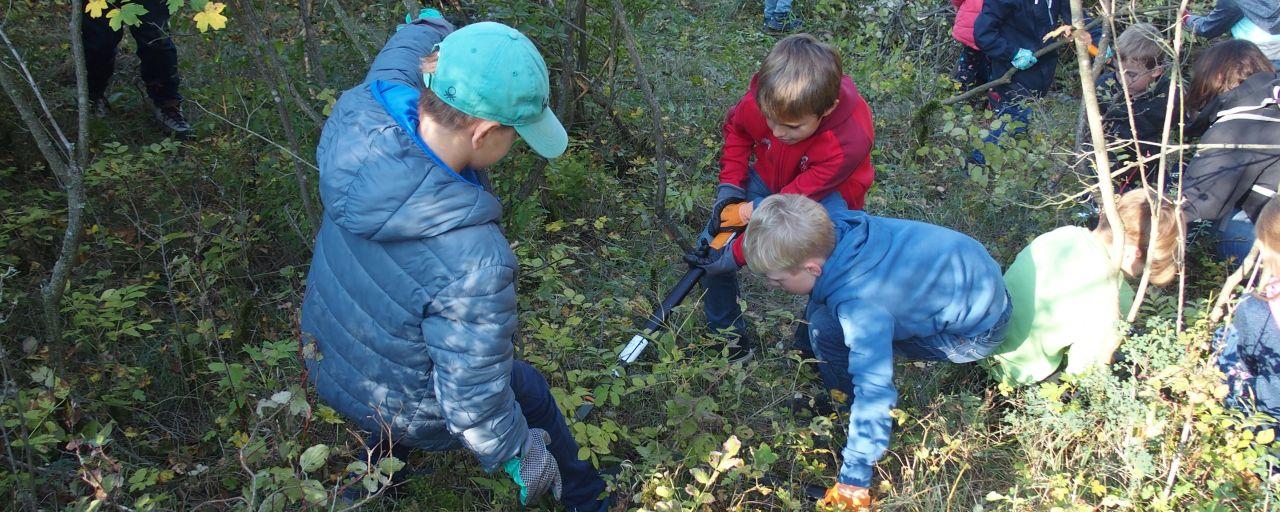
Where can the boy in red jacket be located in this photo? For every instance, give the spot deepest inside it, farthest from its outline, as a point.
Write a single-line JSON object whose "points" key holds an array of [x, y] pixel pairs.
{"points": [[802, 128]]}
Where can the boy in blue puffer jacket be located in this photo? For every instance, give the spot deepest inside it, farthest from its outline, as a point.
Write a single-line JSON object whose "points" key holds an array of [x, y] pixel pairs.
{"points": [[410, 300], [876, 287]]}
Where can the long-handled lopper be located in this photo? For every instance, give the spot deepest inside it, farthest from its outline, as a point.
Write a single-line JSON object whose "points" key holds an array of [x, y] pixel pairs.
{"points": [[658, 319]]}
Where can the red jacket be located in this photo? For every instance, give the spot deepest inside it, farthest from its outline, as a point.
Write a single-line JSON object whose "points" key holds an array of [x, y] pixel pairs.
{"points": [[837, 157], [967, 12]]}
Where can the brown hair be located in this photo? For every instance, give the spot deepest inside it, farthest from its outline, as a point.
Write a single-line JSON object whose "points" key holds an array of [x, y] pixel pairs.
{"points": [[1223, 67], [1141, 43], [786, 230], [1267, 229], [800, 77], [1135, 215], [430, 105]]}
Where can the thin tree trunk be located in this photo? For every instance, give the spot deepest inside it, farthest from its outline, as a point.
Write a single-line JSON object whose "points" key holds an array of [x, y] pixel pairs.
{"points": [[286, 121], [350, 29], [655, 112], [1161, 169], [272, 61], [1101, 161], [65, 167], [313, 65]]}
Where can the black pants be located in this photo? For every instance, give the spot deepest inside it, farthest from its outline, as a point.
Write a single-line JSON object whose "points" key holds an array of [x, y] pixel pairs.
{"points": [[156, 50]]}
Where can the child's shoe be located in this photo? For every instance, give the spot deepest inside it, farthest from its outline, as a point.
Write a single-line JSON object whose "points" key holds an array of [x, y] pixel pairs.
{"points": [[782, 23]]}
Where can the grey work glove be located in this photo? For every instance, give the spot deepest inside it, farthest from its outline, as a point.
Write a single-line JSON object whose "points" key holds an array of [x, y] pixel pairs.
{"points": [[535, 470], [714, 262]]}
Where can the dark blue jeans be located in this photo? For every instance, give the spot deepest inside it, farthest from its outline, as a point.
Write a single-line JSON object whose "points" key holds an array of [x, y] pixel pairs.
{"points": [[721, 299], [159, 68], [824, 339], [1236, 238], [581, 482]]}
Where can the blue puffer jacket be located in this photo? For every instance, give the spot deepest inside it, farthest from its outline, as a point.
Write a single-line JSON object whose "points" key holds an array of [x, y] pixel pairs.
{"points": [[410, 299], [891, 279], [1005, 26]]}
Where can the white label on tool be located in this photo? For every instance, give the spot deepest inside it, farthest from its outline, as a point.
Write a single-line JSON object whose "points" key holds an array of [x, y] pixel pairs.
{"points": [[632, 351]]}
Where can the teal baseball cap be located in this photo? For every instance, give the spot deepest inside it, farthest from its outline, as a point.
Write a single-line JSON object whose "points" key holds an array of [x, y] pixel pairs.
{"points": [[491, 71]]}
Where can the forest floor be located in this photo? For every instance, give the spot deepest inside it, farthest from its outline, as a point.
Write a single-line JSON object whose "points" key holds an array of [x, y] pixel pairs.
{"points": [[178, 385]]}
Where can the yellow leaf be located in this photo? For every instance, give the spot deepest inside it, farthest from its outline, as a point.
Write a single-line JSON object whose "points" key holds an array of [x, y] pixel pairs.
{"points": [[211, 17], [1266, 436], [95, 7]]}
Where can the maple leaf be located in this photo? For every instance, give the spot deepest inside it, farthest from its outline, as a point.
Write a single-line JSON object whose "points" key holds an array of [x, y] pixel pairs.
{"points": [[95, 8], [211, 17]]}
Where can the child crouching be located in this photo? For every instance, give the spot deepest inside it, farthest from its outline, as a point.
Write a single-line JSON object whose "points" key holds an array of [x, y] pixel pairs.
{"points": [[876, 287], [1250, 345], [1069, 291]]}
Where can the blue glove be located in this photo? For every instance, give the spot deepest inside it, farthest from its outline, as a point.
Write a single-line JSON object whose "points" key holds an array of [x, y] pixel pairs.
{"points": [[1024, 59], [424, 14], [535, 470], [714, 261]]}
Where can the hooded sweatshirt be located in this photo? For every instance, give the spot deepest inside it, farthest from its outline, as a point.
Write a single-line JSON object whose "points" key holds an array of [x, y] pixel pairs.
{"points": [[888, 280], [836, 158], [410, 303]]}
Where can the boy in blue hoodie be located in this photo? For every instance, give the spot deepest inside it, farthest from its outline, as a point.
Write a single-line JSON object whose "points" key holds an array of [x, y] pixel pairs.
{"points": [[877, 287], [410, 305]]}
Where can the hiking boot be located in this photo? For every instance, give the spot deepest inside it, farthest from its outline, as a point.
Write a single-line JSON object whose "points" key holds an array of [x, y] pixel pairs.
{"points": [[99, 107], [782, 23], [170, 116]]}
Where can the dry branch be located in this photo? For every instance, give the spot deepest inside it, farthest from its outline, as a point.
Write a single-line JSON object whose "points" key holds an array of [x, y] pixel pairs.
{"points": [[655, 111]]}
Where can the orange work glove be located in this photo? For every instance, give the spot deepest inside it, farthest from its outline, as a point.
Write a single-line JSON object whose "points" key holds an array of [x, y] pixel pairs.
{"points": [[846, 497], [731, 220]]}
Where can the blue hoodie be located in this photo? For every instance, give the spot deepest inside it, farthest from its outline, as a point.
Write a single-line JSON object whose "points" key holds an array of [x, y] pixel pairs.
{"points": [[410, 298], [888, 280]]}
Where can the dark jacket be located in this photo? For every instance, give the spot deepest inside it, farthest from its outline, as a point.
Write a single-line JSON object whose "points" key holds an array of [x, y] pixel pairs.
{"points": [[1149, 107], [888, 280], [1218, 181], [1005, 26], [410, 299]]}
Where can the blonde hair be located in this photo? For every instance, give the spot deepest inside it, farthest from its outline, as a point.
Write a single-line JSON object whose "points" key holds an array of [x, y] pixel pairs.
{"points": [[1141, 43], [1134, 208], [800, 77], [786, 230], [1267, 229]]}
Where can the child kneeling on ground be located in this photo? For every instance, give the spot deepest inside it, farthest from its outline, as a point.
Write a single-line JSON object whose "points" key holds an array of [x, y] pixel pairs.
{"points": [[1250, 345], [876, 286], [411, 300], [1069, 293], [801, 128]]}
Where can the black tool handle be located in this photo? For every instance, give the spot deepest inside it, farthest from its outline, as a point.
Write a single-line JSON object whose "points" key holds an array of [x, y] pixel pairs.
{"points": [[677, 294]]}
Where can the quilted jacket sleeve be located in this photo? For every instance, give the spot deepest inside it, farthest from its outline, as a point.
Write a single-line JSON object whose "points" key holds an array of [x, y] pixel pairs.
{"points": [[468, 330], [401, 58]]}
